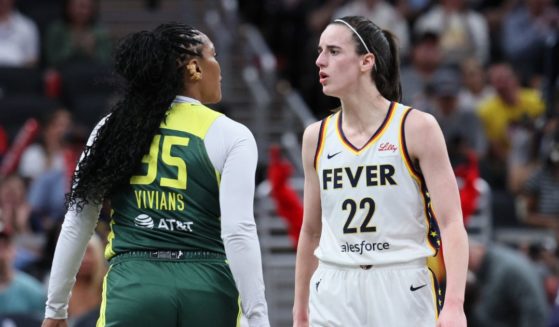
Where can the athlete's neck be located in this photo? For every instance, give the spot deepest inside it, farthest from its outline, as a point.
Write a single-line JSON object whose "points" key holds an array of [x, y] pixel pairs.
{"points": [[364, 113], [184, 98]]}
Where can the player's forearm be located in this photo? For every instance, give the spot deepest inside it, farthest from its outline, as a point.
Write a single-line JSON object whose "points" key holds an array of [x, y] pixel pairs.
{"points": [[455, 244], [306, 264]]}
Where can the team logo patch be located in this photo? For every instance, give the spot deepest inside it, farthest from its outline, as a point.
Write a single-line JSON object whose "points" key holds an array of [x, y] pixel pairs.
{"points": [[144, 221]]}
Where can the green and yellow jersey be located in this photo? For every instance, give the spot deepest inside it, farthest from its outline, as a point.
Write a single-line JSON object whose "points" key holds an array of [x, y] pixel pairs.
{"points": [[172, 201]]}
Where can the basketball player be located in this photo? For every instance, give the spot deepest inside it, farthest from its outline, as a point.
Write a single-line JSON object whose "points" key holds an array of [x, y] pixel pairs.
{"points": [[180, 178], [376, 172]]}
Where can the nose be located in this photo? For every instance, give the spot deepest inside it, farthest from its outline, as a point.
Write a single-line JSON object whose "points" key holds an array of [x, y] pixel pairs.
{"points": [[320, 60]]}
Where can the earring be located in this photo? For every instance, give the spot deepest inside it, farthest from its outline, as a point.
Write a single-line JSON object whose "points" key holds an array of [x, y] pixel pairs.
{"points": [[194, 75]]}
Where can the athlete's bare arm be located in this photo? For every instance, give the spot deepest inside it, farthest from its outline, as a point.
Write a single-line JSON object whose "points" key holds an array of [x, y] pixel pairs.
{"points": [[310, 232], [426, 144]]}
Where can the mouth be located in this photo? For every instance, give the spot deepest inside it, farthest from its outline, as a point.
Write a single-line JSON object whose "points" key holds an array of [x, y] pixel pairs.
{"points": [[322, 77]]}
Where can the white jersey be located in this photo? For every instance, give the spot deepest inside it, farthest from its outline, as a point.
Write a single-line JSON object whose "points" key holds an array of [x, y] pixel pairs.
{"points": [[375, 205]]}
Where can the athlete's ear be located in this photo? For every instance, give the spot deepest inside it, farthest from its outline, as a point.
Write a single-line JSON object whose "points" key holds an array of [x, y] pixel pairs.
{"points": [[193, 68], [368, 62]]}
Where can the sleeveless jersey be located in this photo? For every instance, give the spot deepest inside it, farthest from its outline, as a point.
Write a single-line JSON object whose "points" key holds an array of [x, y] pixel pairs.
{"points": [[375, 205], [172, 201]]}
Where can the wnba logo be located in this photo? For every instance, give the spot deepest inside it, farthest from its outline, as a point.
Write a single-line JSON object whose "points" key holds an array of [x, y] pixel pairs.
{"points": [[144, 221]]}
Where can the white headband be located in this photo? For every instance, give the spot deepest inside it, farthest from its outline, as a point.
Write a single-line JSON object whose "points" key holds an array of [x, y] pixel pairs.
{"points": [[354, 31]]}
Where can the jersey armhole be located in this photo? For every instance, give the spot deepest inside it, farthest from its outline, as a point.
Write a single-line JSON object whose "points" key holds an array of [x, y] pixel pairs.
{"points": [[405, 154], [320, 143]]}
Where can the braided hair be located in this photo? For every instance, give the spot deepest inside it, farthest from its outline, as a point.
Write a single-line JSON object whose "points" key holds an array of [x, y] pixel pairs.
{"points": [[151, 63]]}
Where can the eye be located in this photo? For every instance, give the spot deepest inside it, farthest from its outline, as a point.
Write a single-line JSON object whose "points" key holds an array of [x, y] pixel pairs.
{"points": [[334, 51]]}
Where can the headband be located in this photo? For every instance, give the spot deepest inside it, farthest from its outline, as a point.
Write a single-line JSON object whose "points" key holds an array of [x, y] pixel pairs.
{"points": [[355, 32]]}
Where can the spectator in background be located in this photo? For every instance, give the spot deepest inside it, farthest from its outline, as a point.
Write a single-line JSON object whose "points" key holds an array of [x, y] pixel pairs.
{"points": [[47, 191], [3, 142], [13, 206], [48, 153], [19, 292], [456, 123], [425, 58], [411, 9], [383, 14], [476, 89], [510, 291], [19, 37], [78, 37], [15, 213], [541, 194], [463, 32], [504, 115], [525, 30], [85, 300]]}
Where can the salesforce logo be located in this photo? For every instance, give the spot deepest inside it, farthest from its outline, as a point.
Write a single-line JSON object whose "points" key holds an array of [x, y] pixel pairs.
{"points": [[144, 221]]}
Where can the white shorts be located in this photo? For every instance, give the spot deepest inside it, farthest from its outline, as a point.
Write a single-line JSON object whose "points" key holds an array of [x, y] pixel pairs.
{"points": [[401, 295]]}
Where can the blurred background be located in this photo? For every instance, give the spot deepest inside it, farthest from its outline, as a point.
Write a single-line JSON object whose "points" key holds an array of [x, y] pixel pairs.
{"points": [[487, 71]]}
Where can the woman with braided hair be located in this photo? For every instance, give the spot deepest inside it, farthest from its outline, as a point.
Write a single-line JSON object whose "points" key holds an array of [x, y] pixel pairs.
{"points": [[376, 173], [183, 248]]}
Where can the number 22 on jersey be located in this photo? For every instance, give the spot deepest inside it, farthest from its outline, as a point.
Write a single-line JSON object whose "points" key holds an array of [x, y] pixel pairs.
{"points": [[351, 205]]}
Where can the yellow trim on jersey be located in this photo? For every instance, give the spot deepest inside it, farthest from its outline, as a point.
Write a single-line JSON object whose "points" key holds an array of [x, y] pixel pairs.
{"points": [[426, 217], [418, 178], [109, 252], [436, 221], [322, 141], [218, 177], [384, 126], [403, 149], [434, 294], [191, 118], [102, 319], [239, 315]]}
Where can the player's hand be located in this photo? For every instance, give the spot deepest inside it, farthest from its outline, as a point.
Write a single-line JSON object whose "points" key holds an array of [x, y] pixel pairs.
{"points": [[452, 316], [54, 323]]}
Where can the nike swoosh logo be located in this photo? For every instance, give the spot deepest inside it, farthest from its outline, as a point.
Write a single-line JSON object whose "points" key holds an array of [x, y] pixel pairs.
{"points": [[413, 289], [330, 156]]}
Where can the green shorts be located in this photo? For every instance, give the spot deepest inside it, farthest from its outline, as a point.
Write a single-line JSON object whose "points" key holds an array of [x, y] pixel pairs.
{"points": [[148, 289]]}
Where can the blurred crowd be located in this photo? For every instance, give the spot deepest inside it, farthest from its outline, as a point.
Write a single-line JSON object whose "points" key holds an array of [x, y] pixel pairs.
{"points": [[54, 58], [487, 71]]}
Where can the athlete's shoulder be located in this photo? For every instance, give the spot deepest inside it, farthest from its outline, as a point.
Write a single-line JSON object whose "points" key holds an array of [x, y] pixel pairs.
{"points": [[422, 133], [231, 128], [313, 131], [311, 136], [418, 121]]}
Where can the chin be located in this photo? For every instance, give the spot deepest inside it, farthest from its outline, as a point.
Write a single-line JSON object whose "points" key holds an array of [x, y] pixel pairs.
{"points": [[329, 91]]}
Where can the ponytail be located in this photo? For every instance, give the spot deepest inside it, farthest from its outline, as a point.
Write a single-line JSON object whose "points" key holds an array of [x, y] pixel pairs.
{"points": [[391, 88]]}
